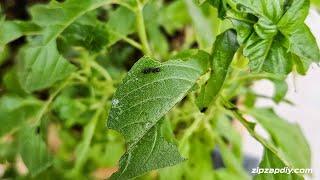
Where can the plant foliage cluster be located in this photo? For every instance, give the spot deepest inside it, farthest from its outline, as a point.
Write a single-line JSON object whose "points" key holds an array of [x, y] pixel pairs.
{"points": [[131, 87]]}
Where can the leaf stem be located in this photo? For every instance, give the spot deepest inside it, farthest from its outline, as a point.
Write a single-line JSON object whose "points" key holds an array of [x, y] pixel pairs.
{"points": [[142, 30], [248, 125], [83, 147], [254, 76], [189, 132], [101, 70], [199, 118], [128, 40], [47, 103], [230, 162]]}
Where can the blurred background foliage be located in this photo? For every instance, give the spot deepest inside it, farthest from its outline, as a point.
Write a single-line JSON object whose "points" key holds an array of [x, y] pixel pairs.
{"points": [[102, 44], [78, 147]]}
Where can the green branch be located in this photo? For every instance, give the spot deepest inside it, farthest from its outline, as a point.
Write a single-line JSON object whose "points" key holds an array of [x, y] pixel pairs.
{"points": [[142, 30]]}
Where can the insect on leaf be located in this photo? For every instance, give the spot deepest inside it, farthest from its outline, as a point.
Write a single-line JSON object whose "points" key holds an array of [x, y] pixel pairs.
{"points": [[148, 92]]}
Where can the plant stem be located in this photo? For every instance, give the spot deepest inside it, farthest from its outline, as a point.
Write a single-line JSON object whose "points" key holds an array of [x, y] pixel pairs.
{"points": [[250, 128], [142, 30], [83, 147], [229, 162], [45, 106], [101, 70], [199, 118]]}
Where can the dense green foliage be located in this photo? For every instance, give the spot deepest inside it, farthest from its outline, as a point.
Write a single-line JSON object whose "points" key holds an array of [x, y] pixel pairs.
{"points": [[124, 89]]}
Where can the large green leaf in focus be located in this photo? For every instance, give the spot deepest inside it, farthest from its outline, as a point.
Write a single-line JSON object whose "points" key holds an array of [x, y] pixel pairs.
{"points": [[286, 136], [141, 100], [150, 152], [222, 54], [41, 65], [33, 151], [269, 160], [148, 92]]}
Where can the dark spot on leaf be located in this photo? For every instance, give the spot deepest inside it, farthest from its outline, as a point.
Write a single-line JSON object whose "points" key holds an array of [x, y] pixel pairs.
{"points": [[203, 109], [151, 70], [38, 130], [231, 108], [225, 139]]}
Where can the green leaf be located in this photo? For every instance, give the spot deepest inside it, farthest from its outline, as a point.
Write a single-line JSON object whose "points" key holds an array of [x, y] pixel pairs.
{"points": [[257, 49], [271, 10], [297, 32], [303, 43], [269, 160], [157, 39], [4, 54], [93, 37], [121, 23], [150, 152], [41, 66], [280, 27], [279, 60], [301, 65], [222, 54], [12, 30], [281, 89], [265, 29], [223, 126], [220, 5], [15, 111], [282, 133], [68, 11], [141, 101], [316, 3], [295, 15], [268, 55], [171, 20], [244, 30], [11, 82], [202, 25], [33, 151]]}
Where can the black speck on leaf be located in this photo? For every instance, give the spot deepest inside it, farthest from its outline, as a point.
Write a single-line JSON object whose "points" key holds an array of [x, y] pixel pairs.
{"points": [[151, 70], [203, 109], [38, 130], [232, 108]]}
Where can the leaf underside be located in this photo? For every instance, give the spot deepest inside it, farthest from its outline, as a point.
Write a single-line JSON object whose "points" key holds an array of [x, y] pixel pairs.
{"points": [[148, 92]]}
